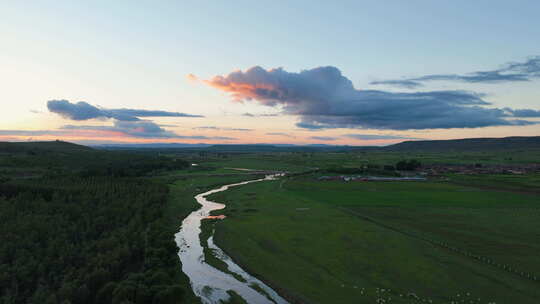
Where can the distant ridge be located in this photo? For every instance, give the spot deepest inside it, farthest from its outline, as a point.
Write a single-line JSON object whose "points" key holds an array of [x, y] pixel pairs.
{"points": [[240, 148], [46, 146], [458, 145], [151, 146], [468, 144]]}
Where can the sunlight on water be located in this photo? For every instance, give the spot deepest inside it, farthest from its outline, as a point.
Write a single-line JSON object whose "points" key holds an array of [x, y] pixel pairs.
{"points": [[208, 282]]}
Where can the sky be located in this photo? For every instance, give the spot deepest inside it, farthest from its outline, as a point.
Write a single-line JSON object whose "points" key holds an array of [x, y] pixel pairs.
{"points": [[296, 72]]}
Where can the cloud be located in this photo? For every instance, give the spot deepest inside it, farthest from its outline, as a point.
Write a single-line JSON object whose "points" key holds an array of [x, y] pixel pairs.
{"points": [[192, 77], [75, 111], [523, 112], [84, 111], [148, 113], [141, 129], [310, 126], [138, 129], [376, 137], [125, 121], [259, 115], [323, 98], [31, 132], [222, 128], [404, 83], [280, 134], [326, 138], [511, 72]]}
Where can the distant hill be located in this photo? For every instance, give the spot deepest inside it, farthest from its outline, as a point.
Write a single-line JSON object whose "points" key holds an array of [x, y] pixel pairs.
{"points": [[227, 148], [42, 146], [468, 144], [34, 159], [254, 148], [247, 148], [150, 146]]}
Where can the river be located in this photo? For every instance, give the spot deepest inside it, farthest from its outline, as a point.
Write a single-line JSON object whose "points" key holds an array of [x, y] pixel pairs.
{"points": [[207, 282]]}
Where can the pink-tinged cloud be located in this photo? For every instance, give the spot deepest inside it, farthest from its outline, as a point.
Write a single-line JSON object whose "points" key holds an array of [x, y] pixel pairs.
{"points": [[252, 84], [192, 77], [323, 98]]}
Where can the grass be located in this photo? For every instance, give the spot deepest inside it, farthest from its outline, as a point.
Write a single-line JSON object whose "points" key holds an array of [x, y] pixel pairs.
{"points": [[234, 298], [203, 171], [207, 229], [261, 162], [509, 182], [302, 161], [307, 238]]}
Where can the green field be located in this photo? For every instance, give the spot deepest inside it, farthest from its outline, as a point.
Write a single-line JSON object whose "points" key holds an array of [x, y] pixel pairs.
{"points": [[336, 242], [293, 161]]}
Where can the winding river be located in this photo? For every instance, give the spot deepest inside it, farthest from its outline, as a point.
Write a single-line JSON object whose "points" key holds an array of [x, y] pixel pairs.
{"points": [[209, 283]]}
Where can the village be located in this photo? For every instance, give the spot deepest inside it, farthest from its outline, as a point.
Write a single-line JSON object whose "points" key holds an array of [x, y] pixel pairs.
{"points": [[438, 171]]}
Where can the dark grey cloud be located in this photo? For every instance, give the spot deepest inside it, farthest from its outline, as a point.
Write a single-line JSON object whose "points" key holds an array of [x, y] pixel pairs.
{"points": [[310, 126], [326, 138], [324, 98], [222, 128], [376, 137], [84, 111], [125, 121], [525, 113], [148, 113], [75, 111], [404, 83], [511, 72]]}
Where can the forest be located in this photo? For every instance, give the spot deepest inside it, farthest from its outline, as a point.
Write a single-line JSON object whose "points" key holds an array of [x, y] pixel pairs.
{"points": [[85, 226]]}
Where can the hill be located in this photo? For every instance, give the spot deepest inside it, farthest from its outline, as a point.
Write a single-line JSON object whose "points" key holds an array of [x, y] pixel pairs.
{"points": [[41, 146], [468, 144], [230, 148], [36, 159]]}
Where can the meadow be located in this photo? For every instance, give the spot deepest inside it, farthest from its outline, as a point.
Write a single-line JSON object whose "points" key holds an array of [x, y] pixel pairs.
{"points": [[337, 242]]}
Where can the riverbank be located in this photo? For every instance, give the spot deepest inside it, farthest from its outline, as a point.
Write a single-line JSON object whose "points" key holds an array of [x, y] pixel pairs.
{"points": [[211, 284], [181, 203]]}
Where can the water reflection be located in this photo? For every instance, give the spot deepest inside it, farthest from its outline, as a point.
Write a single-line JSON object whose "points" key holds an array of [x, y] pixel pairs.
{"points": [[208, 282]]}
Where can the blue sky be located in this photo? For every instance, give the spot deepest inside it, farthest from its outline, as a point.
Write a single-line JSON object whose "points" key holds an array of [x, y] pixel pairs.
{"points": [[136, 55]]}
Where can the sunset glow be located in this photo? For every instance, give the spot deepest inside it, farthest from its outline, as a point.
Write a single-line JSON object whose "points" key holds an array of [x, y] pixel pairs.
{"points": [[124, 83]]}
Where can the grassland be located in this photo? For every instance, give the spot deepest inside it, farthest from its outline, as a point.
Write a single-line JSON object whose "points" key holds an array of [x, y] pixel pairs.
{"points": [[302, 161], [335, 242], [527, 183]]}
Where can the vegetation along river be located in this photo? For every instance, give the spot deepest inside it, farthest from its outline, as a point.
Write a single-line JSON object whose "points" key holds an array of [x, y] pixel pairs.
{"points": [[209, 283]]}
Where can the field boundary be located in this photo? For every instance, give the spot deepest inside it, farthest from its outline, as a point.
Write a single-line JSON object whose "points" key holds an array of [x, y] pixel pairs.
{"points": [[478, 258]]}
